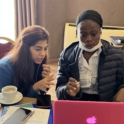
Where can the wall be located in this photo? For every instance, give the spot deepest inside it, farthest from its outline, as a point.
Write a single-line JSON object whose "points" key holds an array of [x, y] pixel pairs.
{"points": [[112, 11], [53, 20], [53, 14]]}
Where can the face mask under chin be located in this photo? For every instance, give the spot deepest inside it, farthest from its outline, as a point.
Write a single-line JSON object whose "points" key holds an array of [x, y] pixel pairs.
{"points": [[92, 49]]}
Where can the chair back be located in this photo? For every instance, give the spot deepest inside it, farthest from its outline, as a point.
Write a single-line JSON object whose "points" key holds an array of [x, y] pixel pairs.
{"points": [[5, 46]]}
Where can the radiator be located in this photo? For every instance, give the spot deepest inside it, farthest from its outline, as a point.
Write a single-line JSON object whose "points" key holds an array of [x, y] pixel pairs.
{"points": [[70, 33]]}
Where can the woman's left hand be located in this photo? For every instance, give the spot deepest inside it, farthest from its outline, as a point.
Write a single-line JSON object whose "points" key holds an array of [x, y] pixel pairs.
{"points": [[46, 70], [119, 97]]}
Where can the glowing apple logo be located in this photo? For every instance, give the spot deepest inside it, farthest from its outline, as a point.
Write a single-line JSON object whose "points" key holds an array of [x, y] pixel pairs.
{"points": [[91, 120]]}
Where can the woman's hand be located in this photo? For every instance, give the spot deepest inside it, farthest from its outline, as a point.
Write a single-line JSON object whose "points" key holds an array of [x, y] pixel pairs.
{"points": [[119, 97], [72, 87], [44, 84], [46, 70]]}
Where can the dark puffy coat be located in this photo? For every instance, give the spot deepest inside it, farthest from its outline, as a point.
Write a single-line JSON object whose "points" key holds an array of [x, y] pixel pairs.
{"points": [[110, 71]]}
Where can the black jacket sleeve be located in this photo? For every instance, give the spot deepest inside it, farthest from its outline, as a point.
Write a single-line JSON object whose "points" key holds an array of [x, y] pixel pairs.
{"points": [[62, 79]]}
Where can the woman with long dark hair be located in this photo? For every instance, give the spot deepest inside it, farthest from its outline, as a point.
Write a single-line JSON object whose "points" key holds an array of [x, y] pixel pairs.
{"points": [[25, 65]]}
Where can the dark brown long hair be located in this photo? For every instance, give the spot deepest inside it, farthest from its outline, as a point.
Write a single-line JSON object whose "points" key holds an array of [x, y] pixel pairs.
{"points": [[20, 54]]}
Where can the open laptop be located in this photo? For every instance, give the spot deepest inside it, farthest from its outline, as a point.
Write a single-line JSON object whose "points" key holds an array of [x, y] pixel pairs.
{"points": [[86, 112], [118, 40]]}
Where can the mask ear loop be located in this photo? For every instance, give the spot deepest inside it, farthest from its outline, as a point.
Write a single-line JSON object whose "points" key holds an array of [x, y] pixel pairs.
{"points": [[101, 31], [76, 33]]}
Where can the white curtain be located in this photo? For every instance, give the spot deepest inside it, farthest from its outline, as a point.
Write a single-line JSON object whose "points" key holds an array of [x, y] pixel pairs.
{"points": [[7, 19], [26, 14]]}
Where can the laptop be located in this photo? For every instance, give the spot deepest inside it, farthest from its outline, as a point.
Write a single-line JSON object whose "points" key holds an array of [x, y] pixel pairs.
{"points": [[86, 112], [118, 40]]}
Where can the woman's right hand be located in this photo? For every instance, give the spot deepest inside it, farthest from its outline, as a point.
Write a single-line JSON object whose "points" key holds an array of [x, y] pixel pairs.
{"points": [[44, 84], [72, 87]]}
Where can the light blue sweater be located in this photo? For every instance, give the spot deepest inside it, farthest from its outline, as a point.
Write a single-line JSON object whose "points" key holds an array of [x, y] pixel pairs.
{"points": [[7, 75]]}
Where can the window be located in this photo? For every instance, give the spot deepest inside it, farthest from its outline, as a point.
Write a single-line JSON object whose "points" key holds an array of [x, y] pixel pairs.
{"points": [[7, 19]]}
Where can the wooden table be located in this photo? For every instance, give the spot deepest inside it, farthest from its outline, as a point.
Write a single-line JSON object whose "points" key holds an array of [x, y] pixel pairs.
{"points": [[26, 100]]}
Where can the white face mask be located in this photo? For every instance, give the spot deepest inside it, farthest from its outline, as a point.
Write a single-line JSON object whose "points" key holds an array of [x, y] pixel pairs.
{"points": [[82, 45]]}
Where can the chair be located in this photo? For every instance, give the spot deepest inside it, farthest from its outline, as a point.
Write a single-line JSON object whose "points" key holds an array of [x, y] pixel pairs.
{"points": [[5, 47]]}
